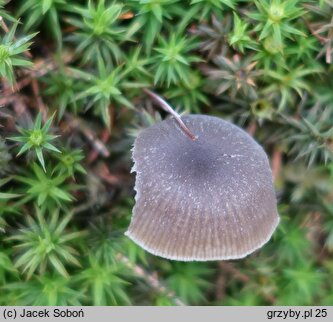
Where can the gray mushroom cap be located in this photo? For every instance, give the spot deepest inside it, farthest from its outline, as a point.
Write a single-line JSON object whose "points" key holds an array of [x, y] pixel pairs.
{"points": [[208, 199]]}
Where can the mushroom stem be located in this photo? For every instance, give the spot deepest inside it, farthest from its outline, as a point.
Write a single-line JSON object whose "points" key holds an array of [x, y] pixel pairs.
{"points": [[170, 110]]}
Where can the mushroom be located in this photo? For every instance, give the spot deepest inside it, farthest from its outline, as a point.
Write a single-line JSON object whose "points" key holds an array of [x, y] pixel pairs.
{"points": [[203, 197]]}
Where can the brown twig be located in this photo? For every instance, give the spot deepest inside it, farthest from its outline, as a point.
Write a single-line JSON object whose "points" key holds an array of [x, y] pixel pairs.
{"points": [[162, 103], [276, 163], [113, 179], [127, 15], [94, 154], [230, 268], [322, 40], [150, 279], [314, 33], [251, 129], [18, 102], [3, 25], [220, 286], [6, 100], [40, 104], [76, 123]]}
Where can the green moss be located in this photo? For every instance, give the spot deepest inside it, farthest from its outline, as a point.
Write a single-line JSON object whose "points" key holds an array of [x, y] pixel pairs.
{"points": [[264, 65]]}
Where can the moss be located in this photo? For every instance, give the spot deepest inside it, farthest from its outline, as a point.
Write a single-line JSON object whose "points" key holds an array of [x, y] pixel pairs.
{"points": [[266, 66]]}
